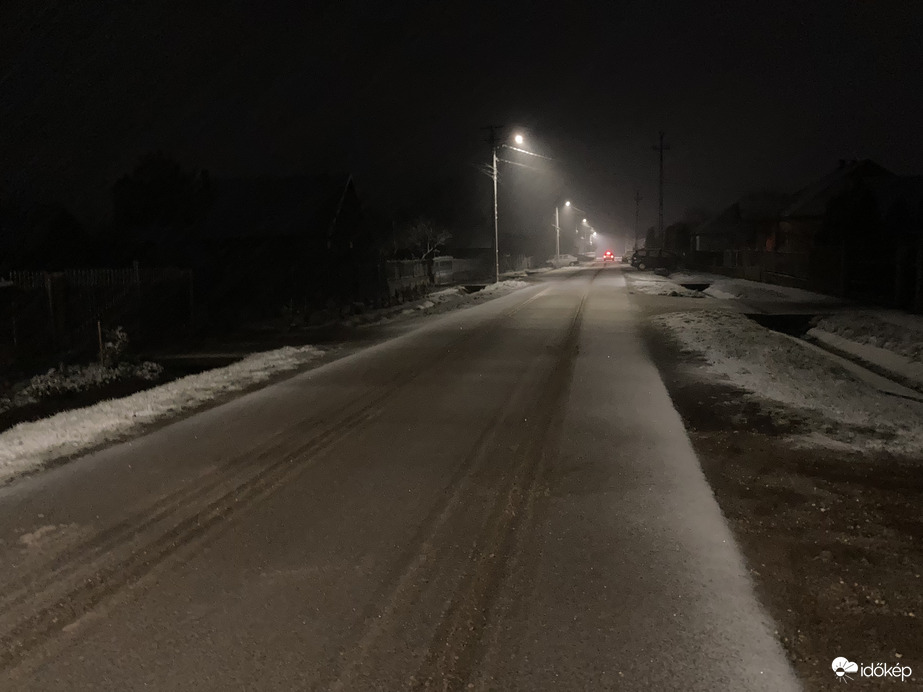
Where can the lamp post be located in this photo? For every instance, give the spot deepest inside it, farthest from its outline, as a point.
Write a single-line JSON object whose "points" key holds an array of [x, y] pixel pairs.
{"points": [[557, 227], [496, 218], [495, 146], [557, 231]]}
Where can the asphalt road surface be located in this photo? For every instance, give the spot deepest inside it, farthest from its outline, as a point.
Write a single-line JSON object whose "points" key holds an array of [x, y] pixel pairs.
{"points": [[503, 498]]}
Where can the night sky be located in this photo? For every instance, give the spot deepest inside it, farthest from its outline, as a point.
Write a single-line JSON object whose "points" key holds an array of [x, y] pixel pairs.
{"points": [[752, 96]]}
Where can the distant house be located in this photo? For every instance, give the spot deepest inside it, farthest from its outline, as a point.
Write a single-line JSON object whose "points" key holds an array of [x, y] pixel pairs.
{"points": [[733, 239], [802, 222], [299, 241], [854, 233]]}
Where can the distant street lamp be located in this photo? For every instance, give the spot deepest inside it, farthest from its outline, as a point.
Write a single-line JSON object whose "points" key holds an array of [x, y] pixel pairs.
{"points": [[557, 228]]}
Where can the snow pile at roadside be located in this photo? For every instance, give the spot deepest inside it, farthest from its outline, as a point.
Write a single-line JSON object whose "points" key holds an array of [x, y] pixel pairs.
{"points": [[895, 332], [502, 287], [726, 288], [656, 286], [28, 445], [779, 371], [78, 378]]}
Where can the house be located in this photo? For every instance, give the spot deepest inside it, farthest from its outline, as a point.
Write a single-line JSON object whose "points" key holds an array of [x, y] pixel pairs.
{"points": [[873, 232], [732, 241], [802, 222], [854, 233]]}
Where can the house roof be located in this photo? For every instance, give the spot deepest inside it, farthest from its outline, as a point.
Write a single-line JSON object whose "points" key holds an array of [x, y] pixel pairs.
{"points": [[759, 206], [811, 201], [275, 207]]}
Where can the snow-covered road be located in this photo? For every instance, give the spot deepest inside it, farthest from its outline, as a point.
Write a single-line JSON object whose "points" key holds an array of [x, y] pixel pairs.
{"points": [[504, 498]]}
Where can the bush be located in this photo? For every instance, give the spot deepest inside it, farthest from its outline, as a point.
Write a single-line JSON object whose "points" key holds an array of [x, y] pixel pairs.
{"points": [[114, 347]]}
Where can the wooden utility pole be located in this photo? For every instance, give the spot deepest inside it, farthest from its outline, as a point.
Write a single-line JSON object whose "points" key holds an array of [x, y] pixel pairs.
{"points": [[637, 216], [661, 148], [494, 145]]}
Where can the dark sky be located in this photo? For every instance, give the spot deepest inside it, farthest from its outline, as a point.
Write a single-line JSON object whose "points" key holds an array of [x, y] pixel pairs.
{"points": [[752, 95]]}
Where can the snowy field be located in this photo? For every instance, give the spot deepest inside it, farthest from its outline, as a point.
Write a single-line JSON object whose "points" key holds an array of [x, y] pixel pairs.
{"points": [[795, 382], [28, 446]]}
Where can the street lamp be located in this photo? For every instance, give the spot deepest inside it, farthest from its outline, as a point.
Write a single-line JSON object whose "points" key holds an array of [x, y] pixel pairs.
{"points": [[557, 232], [495, 146], [557, 227]]}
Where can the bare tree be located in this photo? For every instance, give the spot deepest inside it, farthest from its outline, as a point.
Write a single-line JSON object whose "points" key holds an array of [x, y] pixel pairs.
{"points": [[421, 238]]}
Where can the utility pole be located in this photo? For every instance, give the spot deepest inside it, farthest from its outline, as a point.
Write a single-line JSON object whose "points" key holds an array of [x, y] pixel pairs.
{"points": [[494, 144], [557, 235], [661, 148], [637, 216]]}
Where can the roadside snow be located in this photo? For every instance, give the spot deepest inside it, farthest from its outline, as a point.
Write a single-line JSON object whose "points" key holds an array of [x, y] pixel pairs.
{"points": [[728, 288], [28, 446], [898, 366], [896, 332], [658, 286], [502, 287], [788, 377]]}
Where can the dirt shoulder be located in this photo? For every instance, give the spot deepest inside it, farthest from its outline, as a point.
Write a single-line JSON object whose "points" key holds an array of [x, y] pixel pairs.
{"points": [[833, 539]]}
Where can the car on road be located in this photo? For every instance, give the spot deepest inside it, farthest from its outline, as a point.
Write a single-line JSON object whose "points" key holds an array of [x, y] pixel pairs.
{"points": [[608, 256], [564, 261], [654, 258]]}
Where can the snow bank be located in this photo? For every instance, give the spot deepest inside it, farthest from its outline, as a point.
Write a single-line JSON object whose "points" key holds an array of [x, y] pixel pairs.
{"points": [[656, 286], [896, 332], [29, 445], [778, 371], [502, 287], [743, 289]]}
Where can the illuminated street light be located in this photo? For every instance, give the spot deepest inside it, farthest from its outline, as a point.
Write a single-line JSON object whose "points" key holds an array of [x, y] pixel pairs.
{"points": [[495, 146], [557, 227]]}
